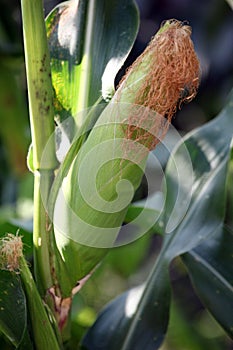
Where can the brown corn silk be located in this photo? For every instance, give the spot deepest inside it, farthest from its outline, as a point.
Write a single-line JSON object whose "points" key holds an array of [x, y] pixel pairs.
{"points": [[11, 250], [170, 76]]}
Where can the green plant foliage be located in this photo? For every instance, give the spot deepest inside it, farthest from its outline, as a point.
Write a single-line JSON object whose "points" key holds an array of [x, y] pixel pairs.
{"points": [[13, 312], [113, 323], [209, 150], [89, 42], [210, 267]]}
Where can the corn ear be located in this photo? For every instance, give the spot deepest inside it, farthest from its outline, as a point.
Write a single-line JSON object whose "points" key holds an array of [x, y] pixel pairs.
{"points": [[104, 175]]}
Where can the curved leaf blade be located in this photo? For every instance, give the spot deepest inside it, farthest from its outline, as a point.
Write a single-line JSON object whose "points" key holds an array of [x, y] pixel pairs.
{"points": [[210, 267], [89, 42], [209, 148], [12, 303], [113, 322], [145, 309]]}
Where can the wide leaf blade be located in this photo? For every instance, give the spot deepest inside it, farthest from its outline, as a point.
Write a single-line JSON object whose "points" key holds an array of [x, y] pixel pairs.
{"points": [[209, 149], [210, 267], [13, 317], [115, 328], [145, 309], [89, 42]]}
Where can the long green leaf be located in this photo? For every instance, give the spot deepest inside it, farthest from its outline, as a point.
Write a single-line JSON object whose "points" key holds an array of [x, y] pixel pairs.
{"points": [[114, 326], [108, 331], [210, 266], [89, 42], [209, 149]]}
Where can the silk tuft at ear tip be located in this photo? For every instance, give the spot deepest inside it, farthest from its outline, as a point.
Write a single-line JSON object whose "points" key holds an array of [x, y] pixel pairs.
{"points": [[171, 68], [164, 76], [11, 250]]}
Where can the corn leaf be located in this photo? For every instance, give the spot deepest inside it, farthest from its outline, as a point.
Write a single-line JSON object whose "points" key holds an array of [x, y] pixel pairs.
{"points": [[89, 42], [12, 303], [210, 267]]}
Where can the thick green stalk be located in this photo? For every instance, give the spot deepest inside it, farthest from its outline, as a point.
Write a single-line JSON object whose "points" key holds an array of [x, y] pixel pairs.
{"points": [[41, 229], [40, 95]]}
